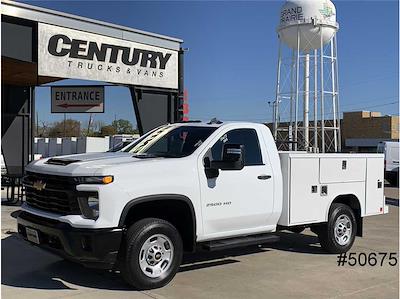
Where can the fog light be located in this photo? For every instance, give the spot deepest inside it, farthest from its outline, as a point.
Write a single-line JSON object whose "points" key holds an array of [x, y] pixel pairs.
{"points": [[89, 206], [93, 203]]}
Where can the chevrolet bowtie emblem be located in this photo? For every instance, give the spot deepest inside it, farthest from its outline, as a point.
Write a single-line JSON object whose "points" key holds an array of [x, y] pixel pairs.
{"points": [[39, 185]]}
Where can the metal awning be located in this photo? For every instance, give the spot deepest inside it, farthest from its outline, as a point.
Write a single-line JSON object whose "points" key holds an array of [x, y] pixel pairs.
{"points": [[22, 69], [53, 17]]}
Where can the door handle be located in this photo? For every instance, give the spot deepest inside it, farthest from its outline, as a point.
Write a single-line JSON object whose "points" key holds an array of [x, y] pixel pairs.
{"points": [[264, 177]]}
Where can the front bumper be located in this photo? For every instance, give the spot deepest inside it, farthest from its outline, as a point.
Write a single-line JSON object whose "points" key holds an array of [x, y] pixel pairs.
{"points": [[95, 248]]}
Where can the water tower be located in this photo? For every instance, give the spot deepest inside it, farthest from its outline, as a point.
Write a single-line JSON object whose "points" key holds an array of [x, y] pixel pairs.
{"points": [[307, 78]]}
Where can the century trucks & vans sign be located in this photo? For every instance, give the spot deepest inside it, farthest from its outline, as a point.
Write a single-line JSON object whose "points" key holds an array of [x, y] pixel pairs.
{"points": [[68, 53]]}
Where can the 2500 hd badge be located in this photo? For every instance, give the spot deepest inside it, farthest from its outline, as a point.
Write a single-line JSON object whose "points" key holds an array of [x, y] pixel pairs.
{"points": [[217, 204]]}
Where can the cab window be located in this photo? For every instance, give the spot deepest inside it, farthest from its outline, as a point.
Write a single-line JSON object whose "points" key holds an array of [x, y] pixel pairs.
{"points": [[246, 137]]}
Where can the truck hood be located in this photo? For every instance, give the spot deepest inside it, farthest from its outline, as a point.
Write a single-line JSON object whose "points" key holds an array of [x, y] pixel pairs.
{"points": [[83, 164]]}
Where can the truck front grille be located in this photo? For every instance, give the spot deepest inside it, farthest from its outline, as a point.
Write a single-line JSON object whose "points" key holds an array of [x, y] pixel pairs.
{"points": [[55, 194]]}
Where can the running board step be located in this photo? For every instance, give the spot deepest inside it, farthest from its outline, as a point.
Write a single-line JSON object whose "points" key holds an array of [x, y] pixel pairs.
{"points": [[240, 242]]}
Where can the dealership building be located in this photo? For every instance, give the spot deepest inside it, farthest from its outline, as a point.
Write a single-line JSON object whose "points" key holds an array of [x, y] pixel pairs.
{"points": [[363, 130], [41, 46]]}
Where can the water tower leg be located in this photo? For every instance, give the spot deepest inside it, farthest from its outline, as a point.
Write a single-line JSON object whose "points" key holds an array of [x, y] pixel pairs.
{"points": [[277, 97], [306, 100], [337, 95], [296, 106], [335, 125], [322, 94], [292, 95], [315, 100]]}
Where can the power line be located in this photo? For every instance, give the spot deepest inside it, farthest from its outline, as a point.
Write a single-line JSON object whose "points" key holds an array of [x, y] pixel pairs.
{"points": [[357, 109], [268, 119], [377, 78], [381, 105], [369, 101]]}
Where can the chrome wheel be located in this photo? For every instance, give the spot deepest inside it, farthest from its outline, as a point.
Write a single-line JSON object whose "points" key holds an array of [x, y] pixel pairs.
{"points": [[343, 230], [156, 255]]}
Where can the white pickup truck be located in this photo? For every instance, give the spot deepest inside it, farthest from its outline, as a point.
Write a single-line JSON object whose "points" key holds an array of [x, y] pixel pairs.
{"points": [[189, 186]]}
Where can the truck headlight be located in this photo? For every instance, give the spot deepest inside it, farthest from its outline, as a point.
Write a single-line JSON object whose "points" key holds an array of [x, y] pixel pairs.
{"points": [[94, 179], [89, 205]]}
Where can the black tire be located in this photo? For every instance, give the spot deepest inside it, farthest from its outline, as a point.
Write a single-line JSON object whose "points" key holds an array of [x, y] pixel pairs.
{"points": [[326, 233], [393, 179], [136, 236]]}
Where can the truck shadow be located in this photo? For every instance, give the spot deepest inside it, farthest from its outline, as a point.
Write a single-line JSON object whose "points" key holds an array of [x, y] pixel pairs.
{"points": [[26, 266], [301, 243], [206, 259]]}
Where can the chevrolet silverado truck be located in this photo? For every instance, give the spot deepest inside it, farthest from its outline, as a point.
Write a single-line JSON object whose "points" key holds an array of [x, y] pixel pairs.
{"points": [[194, 186]]}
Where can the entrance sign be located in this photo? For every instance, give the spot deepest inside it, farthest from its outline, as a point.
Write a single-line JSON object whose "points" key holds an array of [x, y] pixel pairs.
{"points": [[77, 99], [69, 53]]}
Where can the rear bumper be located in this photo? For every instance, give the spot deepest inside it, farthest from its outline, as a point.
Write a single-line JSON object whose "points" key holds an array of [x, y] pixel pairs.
{"points": [[95, 248]]}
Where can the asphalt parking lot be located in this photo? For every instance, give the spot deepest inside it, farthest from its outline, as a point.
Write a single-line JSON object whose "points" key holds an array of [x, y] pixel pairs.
{"points": [[293, 268]]}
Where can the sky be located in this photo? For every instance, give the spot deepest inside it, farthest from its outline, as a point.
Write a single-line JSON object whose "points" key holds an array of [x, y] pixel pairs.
{"points": [[230, 68]]}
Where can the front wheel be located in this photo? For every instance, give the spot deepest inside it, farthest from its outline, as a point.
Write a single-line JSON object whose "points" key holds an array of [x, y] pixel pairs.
{"points": [[339, 233], [152, 254]]}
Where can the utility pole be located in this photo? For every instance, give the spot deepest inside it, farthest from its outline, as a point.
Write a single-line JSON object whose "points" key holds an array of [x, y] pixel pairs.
{"points": [[37, 124], [89, 124], [65, 120]]}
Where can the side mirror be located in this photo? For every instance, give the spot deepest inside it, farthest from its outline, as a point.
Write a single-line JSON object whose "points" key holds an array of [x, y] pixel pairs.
{"points": [[232, 158], [211, 173]]}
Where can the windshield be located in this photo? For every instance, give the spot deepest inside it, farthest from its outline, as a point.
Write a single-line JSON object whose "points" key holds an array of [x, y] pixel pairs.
{"points": [[381, 148], [171, 141], [119, 146]]}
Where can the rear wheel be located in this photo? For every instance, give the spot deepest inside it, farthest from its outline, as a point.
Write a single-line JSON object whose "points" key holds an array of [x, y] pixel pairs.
{"points": [[339, 233], [152, 255], [393, 179]]}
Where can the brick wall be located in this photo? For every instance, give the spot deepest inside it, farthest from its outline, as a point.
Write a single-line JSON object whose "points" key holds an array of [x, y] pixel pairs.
{"points": [[365, 124]]}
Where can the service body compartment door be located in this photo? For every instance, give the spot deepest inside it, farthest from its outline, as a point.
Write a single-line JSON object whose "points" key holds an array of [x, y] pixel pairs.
{"points": [[305, 200], [342, 170], [374, 199]]}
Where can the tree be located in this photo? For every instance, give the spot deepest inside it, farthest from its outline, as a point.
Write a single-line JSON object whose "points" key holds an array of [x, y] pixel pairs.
{"points": [[97, 125], [71, 128], [108, 130], [123, 126], [42, 130]]}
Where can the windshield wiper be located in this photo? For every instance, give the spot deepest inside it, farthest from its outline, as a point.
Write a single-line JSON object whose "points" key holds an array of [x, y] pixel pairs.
{"points": [[156, 155], [144, 156], [166, 155]]}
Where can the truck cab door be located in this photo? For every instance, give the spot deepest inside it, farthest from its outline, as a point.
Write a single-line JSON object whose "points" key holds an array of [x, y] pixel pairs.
{"points": [[237, 200]]}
